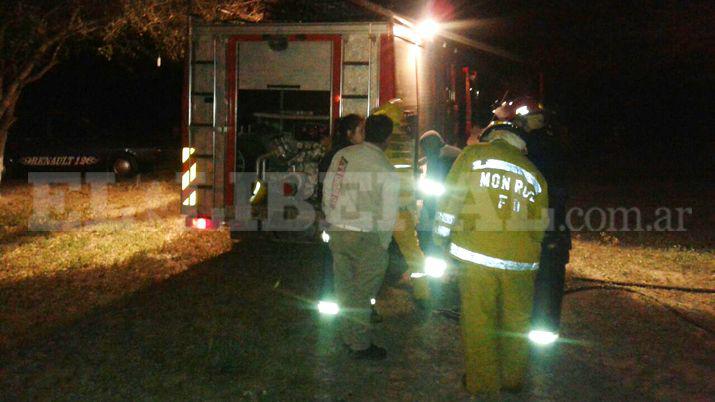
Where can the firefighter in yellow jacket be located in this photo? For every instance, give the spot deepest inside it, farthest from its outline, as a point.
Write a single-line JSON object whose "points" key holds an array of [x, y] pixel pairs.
{"points": [[405, 234], [491, 223]]}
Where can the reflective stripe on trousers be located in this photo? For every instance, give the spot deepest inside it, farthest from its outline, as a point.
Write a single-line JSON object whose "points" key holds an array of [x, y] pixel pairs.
{"points": [[491, 262]]}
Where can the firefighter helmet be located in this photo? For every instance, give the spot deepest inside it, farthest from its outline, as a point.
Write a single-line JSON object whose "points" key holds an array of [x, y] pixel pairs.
{"points": [[529, 115], [527, 106], [504, 112], [506, 131], [520, 107], [394, 110]]}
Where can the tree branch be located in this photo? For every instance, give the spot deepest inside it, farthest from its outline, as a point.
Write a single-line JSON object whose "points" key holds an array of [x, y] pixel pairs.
{"points": [[54, 59], [34, 34], [7, 121], [7, 115], [2, 79]]}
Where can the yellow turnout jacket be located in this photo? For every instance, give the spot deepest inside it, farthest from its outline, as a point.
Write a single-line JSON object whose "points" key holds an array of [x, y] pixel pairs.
{"points": [[495, 209]]}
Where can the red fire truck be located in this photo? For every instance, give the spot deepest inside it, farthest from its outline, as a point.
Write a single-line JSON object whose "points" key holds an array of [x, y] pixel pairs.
{"points": [[261, 97]]}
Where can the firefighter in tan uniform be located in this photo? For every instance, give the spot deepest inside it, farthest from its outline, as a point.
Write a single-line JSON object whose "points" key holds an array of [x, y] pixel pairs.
{"points": [[491, 222], [360, 202]]}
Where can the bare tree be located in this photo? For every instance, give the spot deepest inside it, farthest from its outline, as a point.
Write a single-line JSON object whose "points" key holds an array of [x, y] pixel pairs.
{"points": [[33, 36], [163, 23], [36, 34]]}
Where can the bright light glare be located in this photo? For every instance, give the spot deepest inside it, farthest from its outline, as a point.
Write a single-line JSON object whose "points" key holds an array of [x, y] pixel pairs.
{"points": [[431, 187], [522, 111], [325, 236], [404, 32], [200, 223], [428, 28], [435, 267], [328, 308], [372, 301], [400, 166], [541, 337], [417, 275]]}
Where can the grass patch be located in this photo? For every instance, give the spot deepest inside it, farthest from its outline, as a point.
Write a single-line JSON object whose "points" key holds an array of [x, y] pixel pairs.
{"points": [[48, 278]]}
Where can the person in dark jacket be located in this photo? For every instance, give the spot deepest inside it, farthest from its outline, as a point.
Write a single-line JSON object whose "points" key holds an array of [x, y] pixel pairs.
{"points": [[438, 158], [349, 130], [547, 152]]}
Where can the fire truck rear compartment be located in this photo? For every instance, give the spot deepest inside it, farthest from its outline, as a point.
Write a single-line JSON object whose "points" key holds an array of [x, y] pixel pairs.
{"points": [[266, 114]]}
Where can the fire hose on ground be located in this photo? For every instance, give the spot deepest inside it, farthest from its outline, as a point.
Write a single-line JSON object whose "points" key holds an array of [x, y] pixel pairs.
{"points": [[644, 285], [607, 285]]}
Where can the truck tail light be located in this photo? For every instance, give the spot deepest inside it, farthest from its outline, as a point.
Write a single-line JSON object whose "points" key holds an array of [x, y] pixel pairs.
{"points": [[201, 223]]}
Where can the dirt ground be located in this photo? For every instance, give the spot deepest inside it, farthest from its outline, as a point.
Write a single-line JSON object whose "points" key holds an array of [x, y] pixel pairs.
{"points": [[240, 325]]}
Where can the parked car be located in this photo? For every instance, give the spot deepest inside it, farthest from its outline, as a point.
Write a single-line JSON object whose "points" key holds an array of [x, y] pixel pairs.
{"points": [[63, 144]]}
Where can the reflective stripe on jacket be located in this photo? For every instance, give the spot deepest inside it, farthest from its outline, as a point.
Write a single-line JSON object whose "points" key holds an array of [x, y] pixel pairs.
{"points": [[495, 209], [491, 262]]}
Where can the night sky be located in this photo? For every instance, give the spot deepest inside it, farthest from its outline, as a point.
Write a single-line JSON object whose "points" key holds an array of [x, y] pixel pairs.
{"points": [[633, 80]]}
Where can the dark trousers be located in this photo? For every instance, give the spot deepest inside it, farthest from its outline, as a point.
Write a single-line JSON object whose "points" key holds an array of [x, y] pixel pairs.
{"points": [[549, 288], [328, 291]]}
